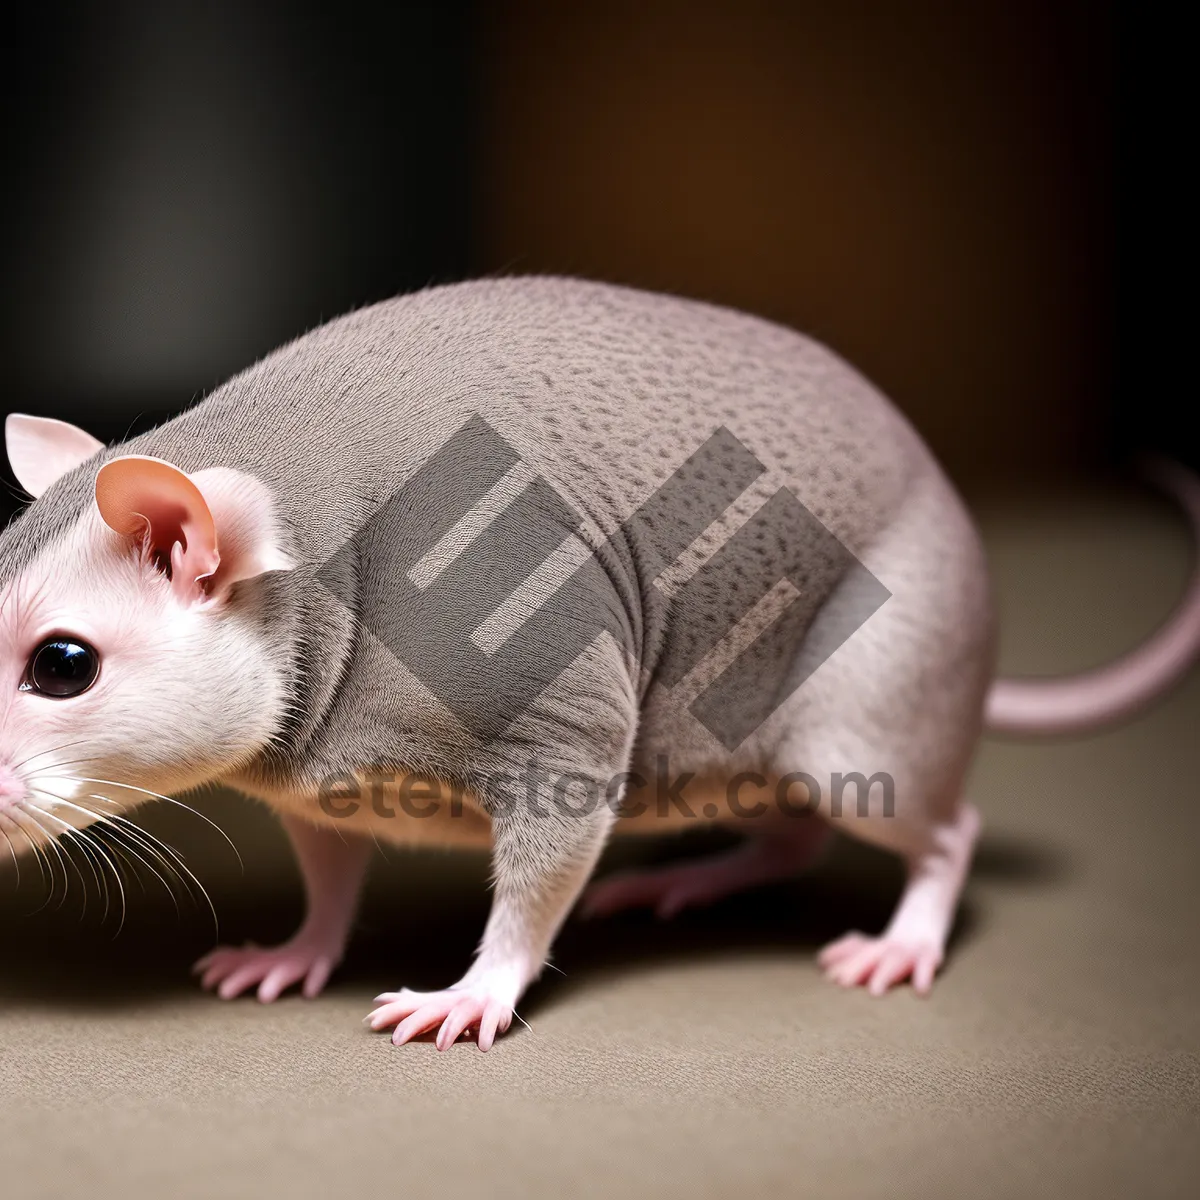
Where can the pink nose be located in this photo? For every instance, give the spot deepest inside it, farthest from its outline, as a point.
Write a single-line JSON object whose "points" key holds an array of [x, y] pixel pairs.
{"points": [[12, 786]]}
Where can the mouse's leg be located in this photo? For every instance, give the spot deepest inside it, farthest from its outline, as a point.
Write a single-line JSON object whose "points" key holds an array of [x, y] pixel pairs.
{"points": [[542, 856], [886, 723], [333, 866], [766, 856], [914, 942]]}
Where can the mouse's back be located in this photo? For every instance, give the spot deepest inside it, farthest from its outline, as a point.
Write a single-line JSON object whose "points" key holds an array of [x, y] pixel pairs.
{"points": [[602, 390]]}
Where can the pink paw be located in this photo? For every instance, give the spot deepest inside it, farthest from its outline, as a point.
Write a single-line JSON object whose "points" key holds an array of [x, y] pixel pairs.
{"points": [[232, 969], [456, 1010], [880, 962]]}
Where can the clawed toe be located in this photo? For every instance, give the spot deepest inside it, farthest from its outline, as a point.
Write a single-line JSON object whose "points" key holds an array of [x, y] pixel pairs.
{"points": [[453, 1012], [231, 970], [878, 964]]}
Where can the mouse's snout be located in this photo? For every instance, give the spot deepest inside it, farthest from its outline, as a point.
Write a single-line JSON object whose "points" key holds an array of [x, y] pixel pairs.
{"points": [[12, 786]]}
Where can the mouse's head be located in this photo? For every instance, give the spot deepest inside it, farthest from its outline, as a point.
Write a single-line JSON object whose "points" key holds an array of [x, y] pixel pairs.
{"points": [[134, 654]]}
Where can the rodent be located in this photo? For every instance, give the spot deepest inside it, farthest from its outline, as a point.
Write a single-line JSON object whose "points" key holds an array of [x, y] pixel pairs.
{"points": [[221, 599]]}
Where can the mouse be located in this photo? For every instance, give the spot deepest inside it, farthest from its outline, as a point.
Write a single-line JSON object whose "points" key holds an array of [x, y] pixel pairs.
{"points": [[523, 564]]}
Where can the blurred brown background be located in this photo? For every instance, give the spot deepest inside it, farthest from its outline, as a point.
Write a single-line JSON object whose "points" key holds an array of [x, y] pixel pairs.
{"points": [[928, 187]]}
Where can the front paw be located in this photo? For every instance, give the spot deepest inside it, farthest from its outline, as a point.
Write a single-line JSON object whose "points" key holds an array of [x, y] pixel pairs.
{"points": [[457, 1010], [878, 963], [232, 969]]}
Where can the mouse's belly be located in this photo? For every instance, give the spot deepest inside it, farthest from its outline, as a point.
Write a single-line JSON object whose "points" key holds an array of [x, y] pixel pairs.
{"points": [[397, 808], [411, 810]]}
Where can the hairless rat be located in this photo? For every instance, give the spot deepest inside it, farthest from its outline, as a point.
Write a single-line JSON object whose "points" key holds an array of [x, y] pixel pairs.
{"points": [[276, 589]]}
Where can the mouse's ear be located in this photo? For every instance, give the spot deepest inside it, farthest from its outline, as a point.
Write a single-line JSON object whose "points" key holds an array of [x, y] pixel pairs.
{"points": [[207, 530], [41, 449]]}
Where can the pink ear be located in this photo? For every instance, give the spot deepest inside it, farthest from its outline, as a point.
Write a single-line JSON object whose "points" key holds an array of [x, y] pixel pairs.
{"points": [[214, 528], [146, 497], [41, 449]]}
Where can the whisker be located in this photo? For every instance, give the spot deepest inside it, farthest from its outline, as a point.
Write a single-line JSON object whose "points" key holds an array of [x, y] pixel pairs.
{"points": [[53, 750], [45, 865], [87, 845], [49, 861], [171, 858], [182, 866], [128, 850], [107, 852], [101, 851], [148, 852], [51, 768], [146, 842], [58, 854], [115, 848], [106, 825], [109, 820], [12, 850], [67, 851], [120, 849], [169, 800], [61, 853], [33, 848]]}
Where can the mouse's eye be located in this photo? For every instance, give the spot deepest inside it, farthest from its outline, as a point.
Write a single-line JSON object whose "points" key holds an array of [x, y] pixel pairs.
{"points": [[62, 666]]}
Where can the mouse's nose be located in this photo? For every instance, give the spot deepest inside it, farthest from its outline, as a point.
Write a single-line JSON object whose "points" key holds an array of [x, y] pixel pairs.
{"points": [[12, 786]]}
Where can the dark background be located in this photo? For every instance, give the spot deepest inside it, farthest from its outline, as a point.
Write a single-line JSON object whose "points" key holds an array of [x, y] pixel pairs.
{"points": [[930, 188]]}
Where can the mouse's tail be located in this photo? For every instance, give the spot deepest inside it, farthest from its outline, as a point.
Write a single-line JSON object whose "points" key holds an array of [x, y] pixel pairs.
{"points": [[1077, 703]]}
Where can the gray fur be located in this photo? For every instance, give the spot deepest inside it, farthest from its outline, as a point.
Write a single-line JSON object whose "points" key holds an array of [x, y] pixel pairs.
{"points": [[602, 392]]}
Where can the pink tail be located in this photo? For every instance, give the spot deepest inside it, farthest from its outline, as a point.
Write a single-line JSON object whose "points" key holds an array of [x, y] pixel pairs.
{"points": [[1077, 703]]}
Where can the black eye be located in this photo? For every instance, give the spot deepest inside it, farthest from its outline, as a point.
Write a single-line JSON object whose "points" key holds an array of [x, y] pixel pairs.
{"points": [[63, 667]]}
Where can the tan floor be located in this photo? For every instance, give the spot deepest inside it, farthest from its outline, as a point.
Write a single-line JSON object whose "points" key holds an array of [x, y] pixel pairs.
{"points": [[1057, 1055]]}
